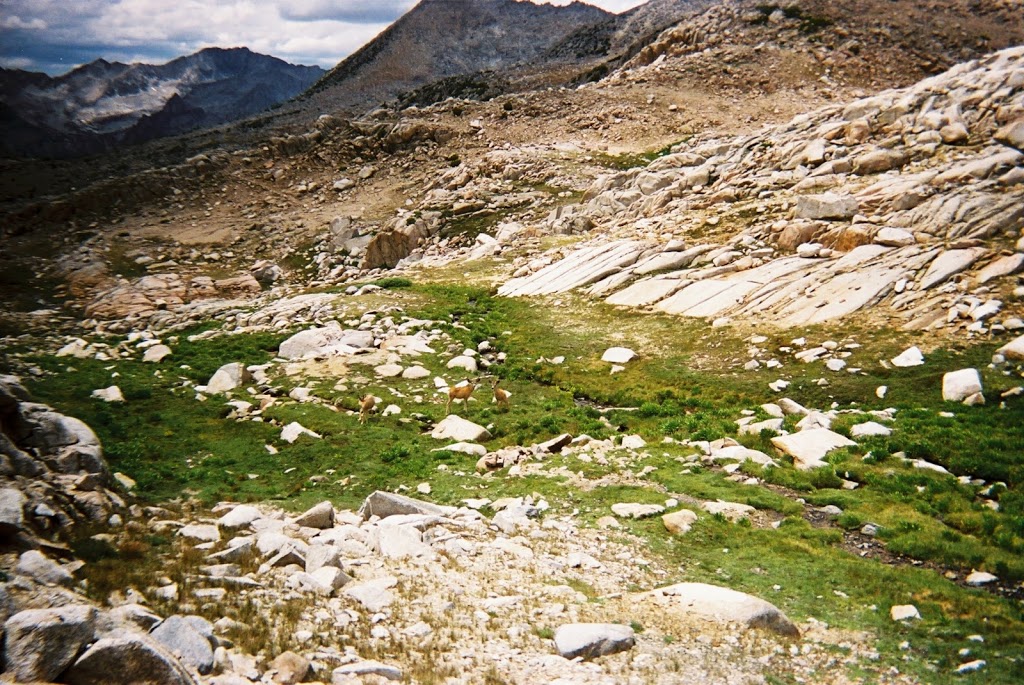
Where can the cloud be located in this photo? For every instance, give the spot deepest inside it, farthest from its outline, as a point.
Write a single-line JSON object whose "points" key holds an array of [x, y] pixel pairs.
{"points": [[16, 62], [16, 22], [347, 11]]}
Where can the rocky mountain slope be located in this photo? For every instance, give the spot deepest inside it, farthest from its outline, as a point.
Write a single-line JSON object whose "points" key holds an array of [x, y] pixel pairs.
{"points": [[101, 104], [442, 38]]}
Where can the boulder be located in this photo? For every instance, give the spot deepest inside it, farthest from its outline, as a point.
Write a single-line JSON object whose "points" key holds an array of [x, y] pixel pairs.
{"points": [[136, 659], [132, 615], [240, 517], [37, 566], [732, 511], [463, 362], [909, 357], [181, 637], [679, 522], [65, 444], [203, 532], [400, 542], [320, 516], [320, 556], [827, 206], [591, 640], [375, 595], [979, 578], [111, 394], [290, 668], [41, 643], [454, 427], [325, 340], [383, 504], [808, 448], [894, 237], [724, 605], [228, 377], [957, 386], [877, 161], [1013, 349], [903, 612], [343, 674], [1012, 135], [636, 511], [156, 354], [870, 428], [12, 511], [293, 430], [618, 355], [238, 286]]}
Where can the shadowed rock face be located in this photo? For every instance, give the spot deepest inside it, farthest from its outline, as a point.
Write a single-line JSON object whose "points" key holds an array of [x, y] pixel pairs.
{"points": [[102, 104]]}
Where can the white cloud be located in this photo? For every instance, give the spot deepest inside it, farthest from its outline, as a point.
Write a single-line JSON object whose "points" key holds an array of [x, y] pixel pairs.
{"points": [[15, 22], [348, 11], [16, 62]]}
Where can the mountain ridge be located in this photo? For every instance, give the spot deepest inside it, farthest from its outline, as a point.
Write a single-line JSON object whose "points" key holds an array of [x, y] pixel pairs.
{"points": [[100, 105], [489, 34]]}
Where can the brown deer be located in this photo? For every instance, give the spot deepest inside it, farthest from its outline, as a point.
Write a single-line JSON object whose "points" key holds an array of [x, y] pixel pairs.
{"points": [[366, 405], [500, 396], [461, 392]]}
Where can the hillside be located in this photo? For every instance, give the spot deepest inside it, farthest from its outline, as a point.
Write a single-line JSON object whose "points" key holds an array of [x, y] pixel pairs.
{"points": [[709, 368], [442, 38], [101, 105]]}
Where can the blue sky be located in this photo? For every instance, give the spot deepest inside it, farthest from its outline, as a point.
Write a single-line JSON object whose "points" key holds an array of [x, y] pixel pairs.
{"points": [[55, 36]]}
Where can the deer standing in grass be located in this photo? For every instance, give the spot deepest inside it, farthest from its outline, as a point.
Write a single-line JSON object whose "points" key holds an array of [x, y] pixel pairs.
{"points": [[500, 396], [461, 392], [366, 405]]}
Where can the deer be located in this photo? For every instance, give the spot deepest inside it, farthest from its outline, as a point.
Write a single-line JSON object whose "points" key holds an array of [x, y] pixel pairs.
{"points": [[500, 396], [461, 392], [366, 405]]}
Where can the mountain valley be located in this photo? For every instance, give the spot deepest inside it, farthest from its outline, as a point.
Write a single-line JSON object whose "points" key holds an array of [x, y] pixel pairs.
{"points": [[740, 292]]}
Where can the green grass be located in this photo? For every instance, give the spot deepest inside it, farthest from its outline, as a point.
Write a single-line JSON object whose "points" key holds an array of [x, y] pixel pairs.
{"points": [[688, 384]]}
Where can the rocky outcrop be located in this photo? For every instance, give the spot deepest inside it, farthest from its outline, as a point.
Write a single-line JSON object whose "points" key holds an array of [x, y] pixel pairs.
{"points": [[903, 228], [52, 471]]}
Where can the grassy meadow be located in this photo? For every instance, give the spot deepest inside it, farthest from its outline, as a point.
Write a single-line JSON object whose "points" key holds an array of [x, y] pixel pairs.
{"points": [[688, 384]]}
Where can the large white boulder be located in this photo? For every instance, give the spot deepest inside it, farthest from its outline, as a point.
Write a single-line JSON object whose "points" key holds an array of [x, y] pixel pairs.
{"points": [[957, 386], [909, 357], [228, 377], [722, 605], [324, 341], [1013, 349], [454, 427], [618, 355], [808, 448]]}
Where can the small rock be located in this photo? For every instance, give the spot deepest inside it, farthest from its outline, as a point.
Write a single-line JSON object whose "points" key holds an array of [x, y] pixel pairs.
{"points": [[904, 612], [979, 578], [679, 522], [909, 357]]}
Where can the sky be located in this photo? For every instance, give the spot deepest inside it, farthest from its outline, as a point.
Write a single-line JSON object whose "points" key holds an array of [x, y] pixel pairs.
{"points": [[55, 36]]}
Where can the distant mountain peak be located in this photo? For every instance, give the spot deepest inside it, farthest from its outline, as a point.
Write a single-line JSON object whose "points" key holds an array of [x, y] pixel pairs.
{"points": [[103, 104]]}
